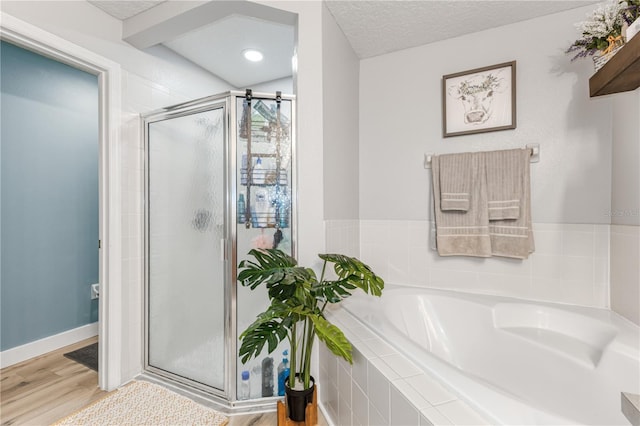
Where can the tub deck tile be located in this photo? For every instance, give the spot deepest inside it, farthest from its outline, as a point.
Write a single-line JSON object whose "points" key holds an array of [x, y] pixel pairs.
{"points": [[384, 369], [379, 347], [411, 394], [401, 365], [459, 413], [433, 417], [366, 351], [359, 333], [431, 390]]}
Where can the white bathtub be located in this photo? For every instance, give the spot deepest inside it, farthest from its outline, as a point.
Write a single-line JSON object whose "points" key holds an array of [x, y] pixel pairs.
{"points": [[516, 362]]}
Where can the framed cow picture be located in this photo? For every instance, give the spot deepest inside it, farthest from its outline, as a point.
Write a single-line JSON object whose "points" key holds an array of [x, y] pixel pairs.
{"points": [[479, 100]]}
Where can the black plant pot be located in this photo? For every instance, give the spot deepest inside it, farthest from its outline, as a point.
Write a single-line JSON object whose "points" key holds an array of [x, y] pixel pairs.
{"points": [[297, 400]]}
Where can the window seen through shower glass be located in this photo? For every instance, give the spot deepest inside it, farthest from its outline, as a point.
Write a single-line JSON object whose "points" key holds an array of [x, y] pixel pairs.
{"points": [[185, 227]]}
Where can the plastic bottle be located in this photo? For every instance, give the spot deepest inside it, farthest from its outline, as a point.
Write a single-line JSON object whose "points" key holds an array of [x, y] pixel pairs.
{"points": [[254, 217], [283, 372], [245, 386], [256, 384], [283, 214], [242, 209], [258, 172], [267, 377], [262, 207]]}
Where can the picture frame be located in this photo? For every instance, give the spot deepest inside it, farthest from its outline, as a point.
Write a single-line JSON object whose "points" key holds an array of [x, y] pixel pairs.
{"points": [[479, 100]]}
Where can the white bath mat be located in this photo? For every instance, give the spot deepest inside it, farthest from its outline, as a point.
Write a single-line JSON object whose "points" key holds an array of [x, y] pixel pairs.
{"points": [[144, 403]]}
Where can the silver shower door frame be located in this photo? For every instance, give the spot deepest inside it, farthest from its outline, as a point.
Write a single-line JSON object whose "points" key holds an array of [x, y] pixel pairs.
{"points": [[227, 100]]}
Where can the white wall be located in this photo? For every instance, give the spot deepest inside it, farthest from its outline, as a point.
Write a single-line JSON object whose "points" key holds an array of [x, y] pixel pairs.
{"points": [[340, 80], [625, 206], [400, 120], [625, 182]]}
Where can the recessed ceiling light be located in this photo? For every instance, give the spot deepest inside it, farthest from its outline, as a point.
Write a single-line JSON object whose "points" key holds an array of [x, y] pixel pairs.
{"points": [[252, 55]]}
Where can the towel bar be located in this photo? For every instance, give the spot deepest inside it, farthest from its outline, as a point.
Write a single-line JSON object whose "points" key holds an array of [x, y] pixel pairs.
{"points": [[534, 147]]}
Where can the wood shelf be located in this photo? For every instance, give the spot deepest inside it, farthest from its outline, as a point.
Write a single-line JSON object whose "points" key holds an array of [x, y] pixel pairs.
{"points": [[621, 73]]}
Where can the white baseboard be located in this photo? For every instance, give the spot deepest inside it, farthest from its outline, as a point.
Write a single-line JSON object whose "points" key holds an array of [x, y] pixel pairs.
{"points": [[40, 347]]}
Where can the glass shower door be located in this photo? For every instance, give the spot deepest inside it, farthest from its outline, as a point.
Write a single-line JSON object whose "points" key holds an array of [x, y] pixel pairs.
{"points": [[185, 254]]}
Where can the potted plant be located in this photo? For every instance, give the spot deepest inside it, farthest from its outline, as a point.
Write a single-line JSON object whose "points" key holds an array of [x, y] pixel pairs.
{"points": [[602, 32], [296, 312]]}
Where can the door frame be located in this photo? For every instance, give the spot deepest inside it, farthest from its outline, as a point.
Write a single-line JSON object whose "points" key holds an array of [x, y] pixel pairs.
{"points": [[35, 39], [196, 106]]}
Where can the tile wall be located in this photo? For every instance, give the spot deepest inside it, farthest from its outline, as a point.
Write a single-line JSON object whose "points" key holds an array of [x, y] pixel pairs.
{"points": [[138, 96], [342, 236], [625, 271], [570, 264]]}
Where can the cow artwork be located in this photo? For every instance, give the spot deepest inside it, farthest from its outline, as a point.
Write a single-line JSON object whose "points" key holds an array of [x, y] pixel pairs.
{"points": [[479, 100], [476, 95]]}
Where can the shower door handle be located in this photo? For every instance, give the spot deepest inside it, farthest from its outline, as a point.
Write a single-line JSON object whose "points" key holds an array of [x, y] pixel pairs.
{"points": [[223, 251]]}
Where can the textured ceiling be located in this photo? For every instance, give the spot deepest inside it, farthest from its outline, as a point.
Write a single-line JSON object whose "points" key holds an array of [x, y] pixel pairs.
{"points": [[125, 9], [373, 27], [377, 27]]}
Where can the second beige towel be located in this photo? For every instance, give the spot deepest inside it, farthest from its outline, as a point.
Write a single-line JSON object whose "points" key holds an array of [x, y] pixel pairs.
{"points": [[463, 233]]}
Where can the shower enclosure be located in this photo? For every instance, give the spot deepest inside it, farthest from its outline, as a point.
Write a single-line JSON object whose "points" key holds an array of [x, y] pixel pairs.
{"points": [[218, 182]]}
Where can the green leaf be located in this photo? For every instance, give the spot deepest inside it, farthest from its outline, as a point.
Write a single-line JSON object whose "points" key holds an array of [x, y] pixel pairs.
{"points": [[355, 272], [277, 271], [269, 267], [333, 291], [333, 337], [271, 327]]}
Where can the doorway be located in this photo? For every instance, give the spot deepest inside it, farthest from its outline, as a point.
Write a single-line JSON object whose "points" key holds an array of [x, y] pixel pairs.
{"points": [[108, 73], [50, 202]]}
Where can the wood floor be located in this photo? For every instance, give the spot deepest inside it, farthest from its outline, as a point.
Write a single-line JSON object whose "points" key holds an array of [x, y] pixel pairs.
{"points": [[47, 388], [44, 389]]}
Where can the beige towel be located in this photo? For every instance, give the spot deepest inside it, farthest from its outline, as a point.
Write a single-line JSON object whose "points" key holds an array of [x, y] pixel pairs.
{"points": [[510, 236], [455, 181], [504, 182], [463, 233]]}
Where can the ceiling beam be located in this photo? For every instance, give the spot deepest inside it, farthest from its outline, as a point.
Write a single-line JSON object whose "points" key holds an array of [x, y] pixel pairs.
{"points": [[171, 19]]}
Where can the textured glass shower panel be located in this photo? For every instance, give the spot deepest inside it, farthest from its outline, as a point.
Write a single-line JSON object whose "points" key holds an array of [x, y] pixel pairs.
{"points": [[264, 153], [186, 227]]}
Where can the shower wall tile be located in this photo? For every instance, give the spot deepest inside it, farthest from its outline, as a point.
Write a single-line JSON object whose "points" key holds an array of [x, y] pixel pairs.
{"points": [[570, 264], [138, 96], [577, 243]]}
